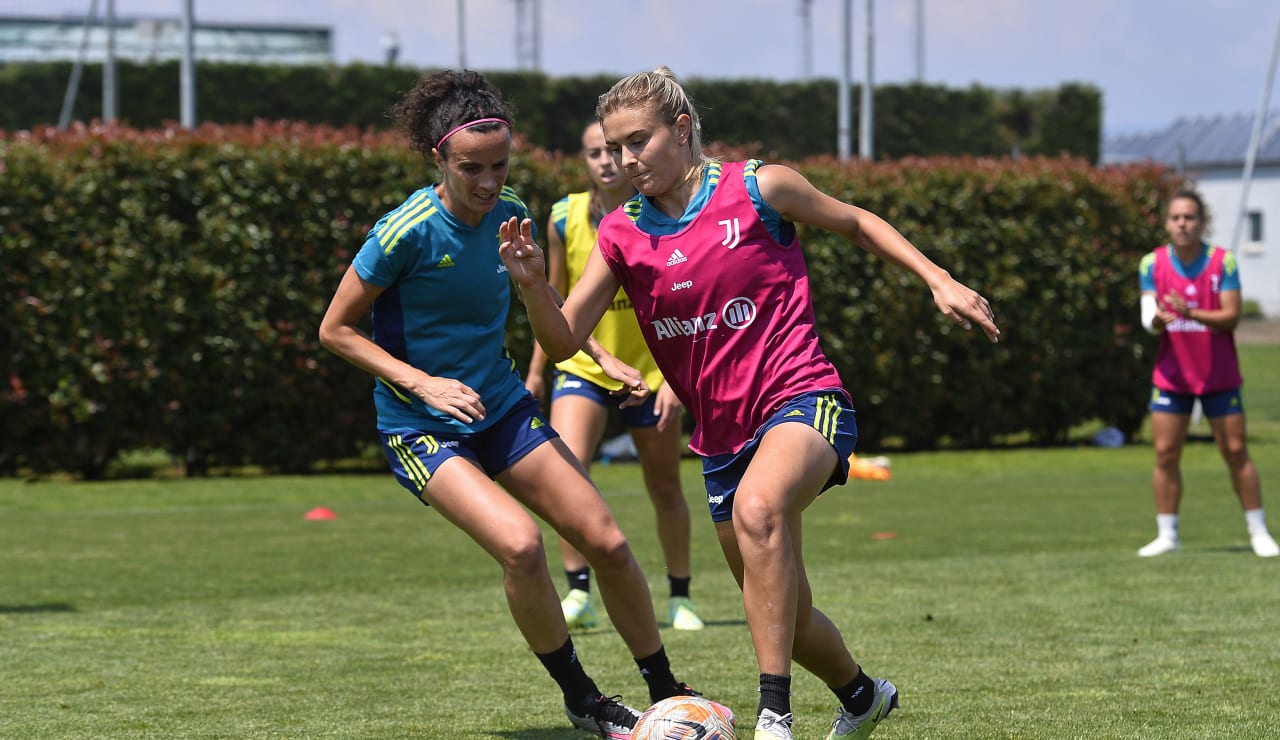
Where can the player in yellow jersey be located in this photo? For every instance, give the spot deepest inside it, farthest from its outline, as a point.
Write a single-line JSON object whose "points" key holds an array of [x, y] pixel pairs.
{"points": [[581, 393]]}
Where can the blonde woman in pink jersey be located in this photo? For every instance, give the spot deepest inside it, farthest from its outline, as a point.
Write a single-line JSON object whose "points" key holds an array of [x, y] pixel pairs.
{"points": [[1191, 298], [708, 254], [581, 394]]}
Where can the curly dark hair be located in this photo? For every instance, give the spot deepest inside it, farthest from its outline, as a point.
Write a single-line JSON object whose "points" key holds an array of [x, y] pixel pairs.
{"points": [[445, 100]]}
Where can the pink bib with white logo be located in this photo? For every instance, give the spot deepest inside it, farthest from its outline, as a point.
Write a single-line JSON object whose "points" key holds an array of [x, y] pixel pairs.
{"points": [[726, 312], [1194, 358]]}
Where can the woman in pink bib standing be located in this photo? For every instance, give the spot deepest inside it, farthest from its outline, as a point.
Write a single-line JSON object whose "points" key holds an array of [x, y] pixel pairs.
{"points": [[708, 254], [1191, 298]]}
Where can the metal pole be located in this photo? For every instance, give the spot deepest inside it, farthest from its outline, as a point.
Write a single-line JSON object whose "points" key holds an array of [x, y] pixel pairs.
{"points": [[868, 82], [109, 87], [806, 39], [522, 39], [920, 41], [77, 68], [1254, 140], [188, 67], [462, 34], [537, 35], [843, 115]]}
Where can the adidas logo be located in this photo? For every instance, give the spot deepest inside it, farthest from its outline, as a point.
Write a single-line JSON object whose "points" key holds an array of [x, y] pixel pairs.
{"points": [[536, 423], [446, 262], [676, 258], [793, 412]]}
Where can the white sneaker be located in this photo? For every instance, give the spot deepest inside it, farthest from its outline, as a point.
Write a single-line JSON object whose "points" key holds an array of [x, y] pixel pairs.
{"points": [[773, 726], [1159, 546], [849, 727], [1264, 546]]}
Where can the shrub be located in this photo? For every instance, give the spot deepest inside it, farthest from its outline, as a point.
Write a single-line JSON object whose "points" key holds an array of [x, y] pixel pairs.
{"points": [[163, 289]]}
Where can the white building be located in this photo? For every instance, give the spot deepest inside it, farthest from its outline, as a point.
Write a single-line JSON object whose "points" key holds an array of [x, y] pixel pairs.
{"points": [[1211, 151], [145, 40]]}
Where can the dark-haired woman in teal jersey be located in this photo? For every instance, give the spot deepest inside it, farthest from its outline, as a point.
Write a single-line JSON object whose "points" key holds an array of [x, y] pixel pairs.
{"points": [[459, 429]]}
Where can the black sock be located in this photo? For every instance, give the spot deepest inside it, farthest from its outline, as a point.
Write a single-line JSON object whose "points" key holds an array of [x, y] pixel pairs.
{"points": [[679, 586], [579, 579], [656, 670], [775, 694], [575, 684], [857, 695]]}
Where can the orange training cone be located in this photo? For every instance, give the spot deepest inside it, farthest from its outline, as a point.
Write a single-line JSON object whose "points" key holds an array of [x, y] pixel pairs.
{"points": [[320, 513], [866, 470]]}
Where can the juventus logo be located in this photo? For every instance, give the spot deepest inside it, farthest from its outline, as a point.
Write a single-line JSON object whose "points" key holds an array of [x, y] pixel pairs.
{"points": [[732, 234]]}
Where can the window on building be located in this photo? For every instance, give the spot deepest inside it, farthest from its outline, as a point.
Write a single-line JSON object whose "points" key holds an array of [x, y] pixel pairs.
{"points": [[1255, 226]]}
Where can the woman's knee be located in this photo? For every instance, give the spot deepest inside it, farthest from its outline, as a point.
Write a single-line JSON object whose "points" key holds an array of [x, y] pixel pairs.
{"points": [[523, 554], [756, 522], [1236, 454], [607, 550], [667, 498], [1168, 456]]}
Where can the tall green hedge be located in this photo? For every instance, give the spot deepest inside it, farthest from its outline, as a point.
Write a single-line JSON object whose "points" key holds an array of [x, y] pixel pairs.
{"points": [[780, 119], [163, 288], [1053, 243]]}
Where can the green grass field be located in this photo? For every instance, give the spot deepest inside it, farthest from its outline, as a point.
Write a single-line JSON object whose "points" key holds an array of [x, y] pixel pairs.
{"points": [[1008, 603]]}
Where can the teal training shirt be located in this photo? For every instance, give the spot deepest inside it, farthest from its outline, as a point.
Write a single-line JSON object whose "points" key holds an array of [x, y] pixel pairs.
{"points": [[444, 307], [1146, 268]]}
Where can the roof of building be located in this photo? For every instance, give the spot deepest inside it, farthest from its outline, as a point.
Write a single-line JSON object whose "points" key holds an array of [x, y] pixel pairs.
{"points": [[1201, 141], [143, 39]]}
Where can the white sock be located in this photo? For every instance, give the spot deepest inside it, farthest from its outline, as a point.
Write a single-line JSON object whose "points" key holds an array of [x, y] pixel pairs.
{"points": [[1255, 521], [1167, 526]]}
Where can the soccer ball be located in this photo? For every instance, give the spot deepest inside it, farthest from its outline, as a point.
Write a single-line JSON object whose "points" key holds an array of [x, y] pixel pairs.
{"points": [[683, 718]]}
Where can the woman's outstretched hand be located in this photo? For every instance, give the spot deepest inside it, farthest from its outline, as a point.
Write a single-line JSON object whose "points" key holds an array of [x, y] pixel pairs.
{"points": [[966, 306], [522, 257]]}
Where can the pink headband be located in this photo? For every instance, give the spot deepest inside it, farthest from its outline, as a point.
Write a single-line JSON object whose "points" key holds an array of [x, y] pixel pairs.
{"points": [[469, 124]]}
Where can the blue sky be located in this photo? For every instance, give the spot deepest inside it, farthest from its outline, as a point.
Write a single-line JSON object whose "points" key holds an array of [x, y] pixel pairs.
{"points": [[1154, 60]]}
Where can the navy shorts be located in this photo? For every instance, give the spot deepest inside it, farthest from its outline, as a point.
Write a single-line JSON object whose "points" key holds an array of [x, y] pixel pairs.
{"points": [[1218, 403], [569, 384], [827, 411], [415, 456]]}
